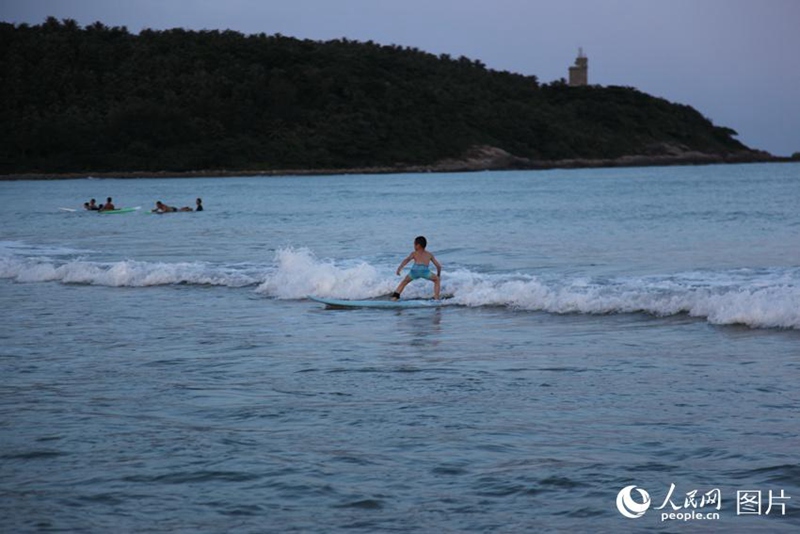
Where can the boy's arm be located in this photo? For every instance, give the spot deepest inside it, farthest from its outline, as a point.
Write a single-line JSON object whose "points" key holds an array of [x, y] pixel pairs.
{"points": [[403, 264], [437, 264]]}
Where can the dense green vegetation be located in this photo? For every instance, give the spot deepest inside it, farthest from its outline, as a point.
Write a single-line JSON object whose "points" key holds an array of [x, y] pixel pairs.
{"points": [[102, 99]]}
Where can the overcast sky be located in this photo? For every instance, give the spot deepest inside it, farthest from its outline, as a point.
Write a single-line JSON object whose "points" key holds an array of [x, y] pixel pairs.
{"points": [[736, 61]]}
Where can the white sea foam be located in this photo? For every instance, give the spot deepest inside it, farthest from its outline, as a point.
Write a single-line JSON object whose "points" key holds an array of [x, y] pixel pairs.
{"points": [[767, 300], [298, 273], [126, 273], [764, 298]]}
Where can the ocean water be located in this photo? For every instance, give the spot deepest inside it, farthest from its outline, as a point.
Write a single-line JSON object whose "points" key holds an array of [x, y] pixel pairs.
{"points": [[608, 328]]}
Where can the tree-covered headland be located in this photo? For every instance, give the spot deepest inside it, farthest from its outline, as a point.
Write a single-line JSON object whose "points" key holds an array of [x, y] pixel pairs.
{"points": [[98, 99]]}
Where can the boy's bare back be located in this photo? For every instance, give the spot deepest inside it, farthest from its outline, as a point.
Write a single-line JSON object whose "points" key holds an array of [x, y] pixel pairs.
{"points": [[421, 257]]}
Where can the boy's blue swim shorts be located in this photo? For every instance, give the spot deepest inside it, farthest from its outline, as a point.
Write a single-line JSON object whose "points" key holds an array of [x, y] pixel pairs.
{"points": [[420, 271]]}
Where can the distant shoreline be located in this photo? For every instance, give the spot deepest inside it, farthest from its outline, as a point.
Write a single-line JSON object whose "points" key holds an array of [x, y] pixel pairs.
{"points": [[487, 160]]}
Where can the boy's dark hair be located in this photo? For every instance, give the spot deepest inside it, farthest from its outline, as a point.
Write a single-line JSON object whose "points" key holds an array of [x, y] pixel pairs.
{"points": [[421, 241]]}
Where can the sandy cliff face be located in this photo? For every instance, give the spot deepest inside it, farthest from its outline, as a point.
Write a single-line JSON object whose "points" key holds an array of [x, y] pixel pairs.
{"points": [[486, 157]]}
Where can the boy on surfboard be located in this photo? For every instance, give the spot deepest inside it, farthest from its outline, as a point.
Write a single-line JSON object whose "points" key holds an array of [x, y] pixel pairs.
{"points": [[421, 268]]}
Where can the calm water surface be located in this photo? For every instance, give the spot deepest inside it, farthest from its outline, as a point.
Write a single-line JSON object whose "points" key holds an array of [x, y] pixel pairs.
{"points": [[608, 328]]}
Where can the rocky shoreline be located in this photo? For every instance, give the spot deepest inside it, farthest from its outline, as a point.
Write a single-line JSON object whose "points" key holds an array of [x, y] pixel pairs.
{"points": [[479, 158]]}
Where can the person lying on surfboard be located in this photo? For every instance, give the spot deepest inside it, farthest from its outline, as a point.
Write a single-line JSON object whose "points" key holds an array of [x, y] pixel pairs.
{"points": [[421, 268], [163, 208], [108, 206]]}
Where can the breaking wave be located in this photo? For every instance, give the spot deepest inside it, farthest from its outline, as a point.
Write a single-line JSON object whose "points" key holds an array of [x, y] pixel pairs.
{"points": [[759, 298], [298, 273], [23, 263]]}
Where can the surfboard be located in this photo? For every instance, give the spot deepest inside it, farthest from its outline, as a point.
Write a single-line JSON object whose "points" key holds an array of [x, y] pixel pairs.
{"points": [[70, 210], [383, 304], [121, 210]]}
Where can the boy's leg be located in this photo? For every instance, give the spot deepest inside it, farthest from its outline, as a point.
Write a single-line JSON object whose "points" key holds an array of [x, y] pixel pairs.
{"points": [[437, 285], [401, 287]]}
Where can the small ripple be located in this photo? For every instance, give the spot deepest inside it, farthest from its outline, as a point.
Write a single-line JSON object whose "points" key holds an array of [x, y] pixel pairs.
{"points": [[561, 482], [355, 370], [582, 513], [787, 473], [193, 477], [49, 438], [104, 498], [491, 487], [364, 504], [653, 467], [243, 510], [449, 470], [33, 455], [353, 460], [563, 369], [408, 370]]}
